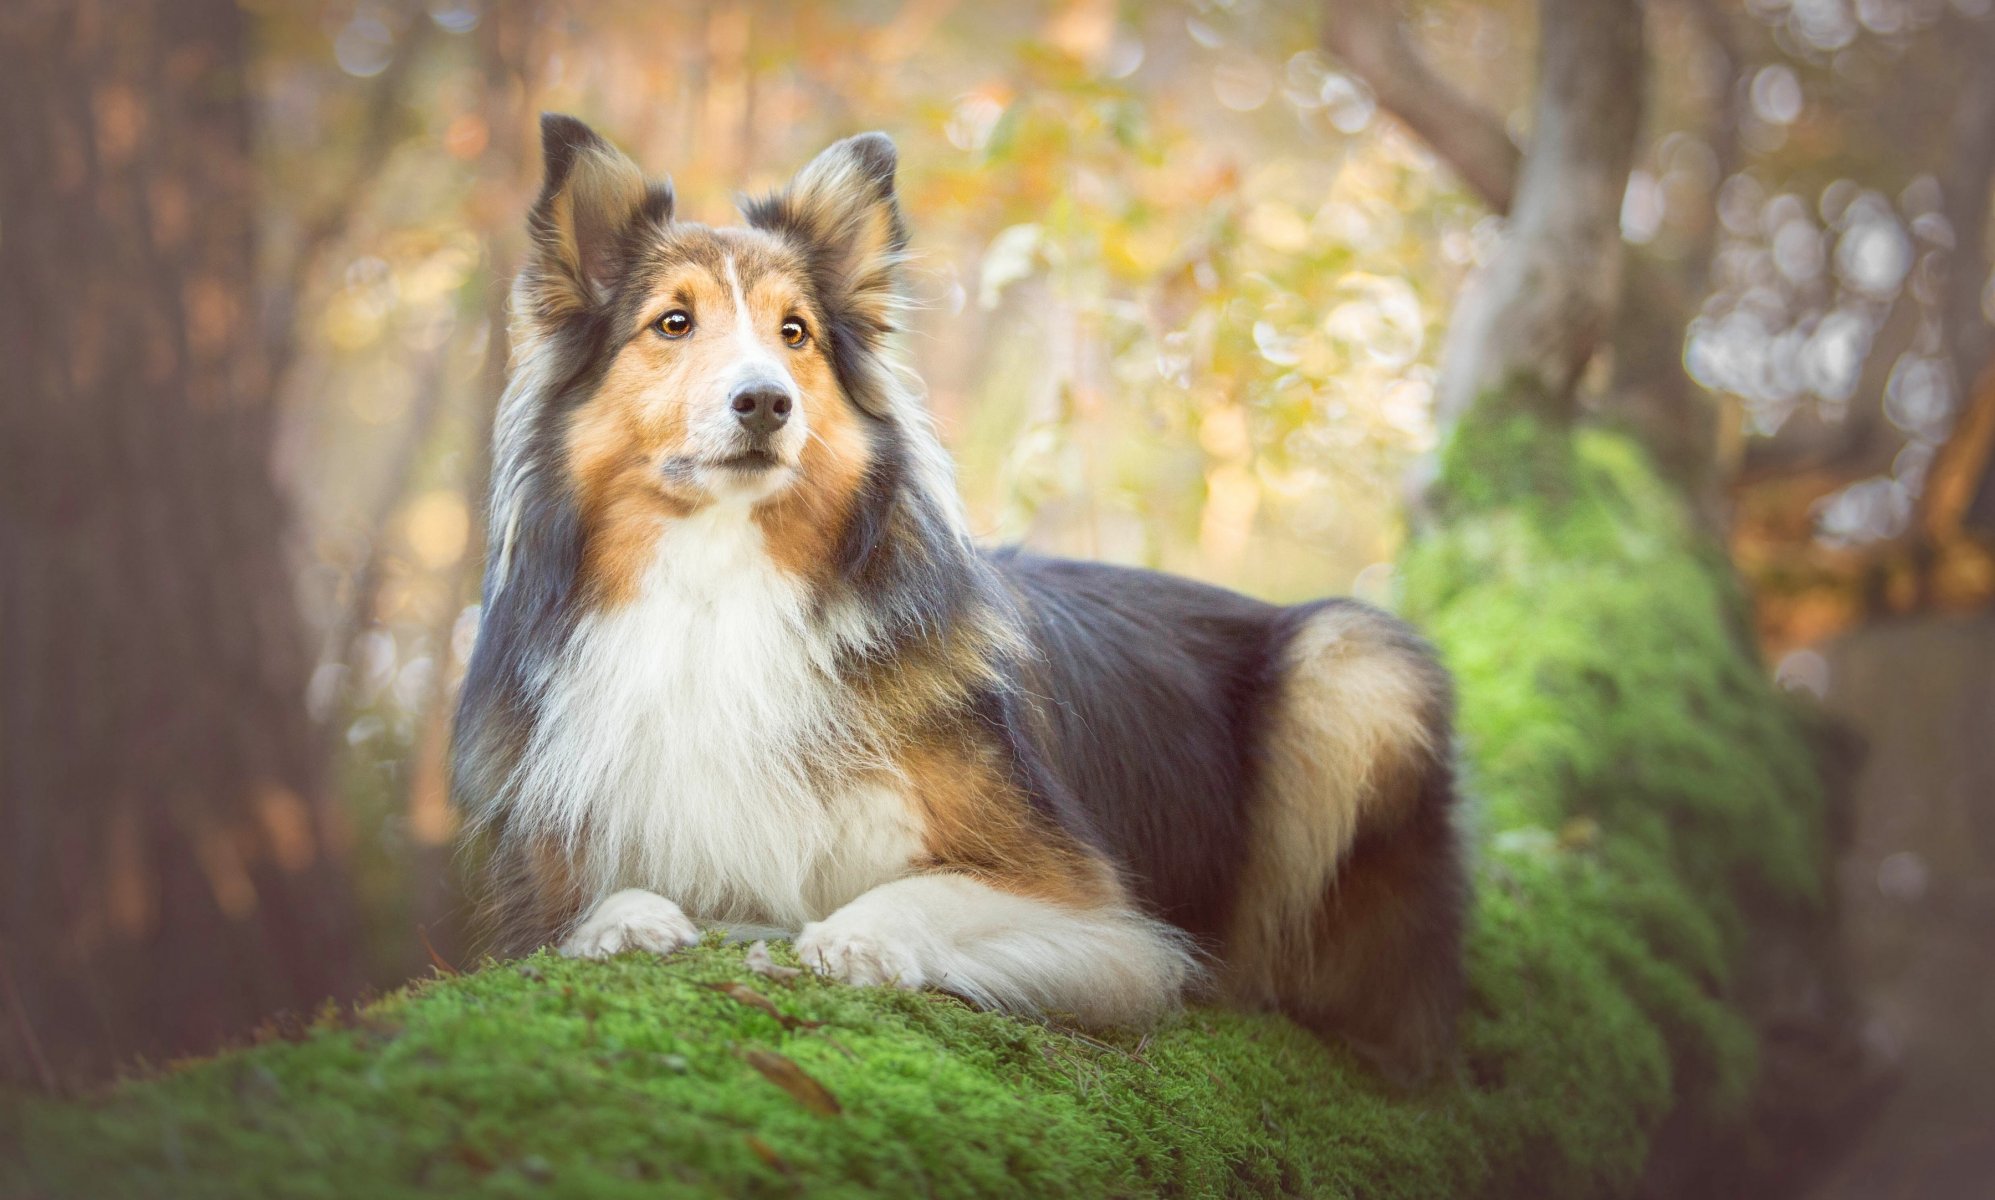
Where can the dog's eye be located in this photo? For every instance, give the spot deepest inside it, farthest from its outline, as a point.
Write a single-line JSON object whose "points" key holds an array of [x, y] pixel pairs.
{"points": [[675, 324], [794, 333]]}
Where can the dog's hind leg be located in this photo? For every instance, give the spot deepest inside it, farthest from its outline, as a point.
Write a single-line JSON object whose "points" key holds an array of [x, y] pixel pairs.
{"points": [[1103, 965], [1351, 910]]}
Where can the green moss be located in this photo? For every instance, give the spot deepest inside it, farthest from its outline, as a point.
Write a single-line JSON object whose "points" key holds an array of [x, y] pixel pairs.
{"points": [[1636, 778]]}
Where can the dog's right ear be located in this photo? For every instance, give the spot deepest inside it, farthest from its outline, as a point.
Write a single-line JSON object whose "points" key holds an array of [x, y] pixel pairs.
{"points": [[593, 200]]}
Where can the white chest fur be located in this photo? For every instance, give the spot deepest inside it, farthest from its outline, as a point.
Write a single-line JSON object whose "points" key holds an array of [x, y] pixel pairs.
{"points": [[697, 742]]}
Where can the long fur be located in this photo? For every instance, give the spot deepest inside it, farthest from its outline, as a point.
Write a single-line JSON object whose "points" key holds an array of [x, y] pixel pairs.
{"points": [[799, 697]]}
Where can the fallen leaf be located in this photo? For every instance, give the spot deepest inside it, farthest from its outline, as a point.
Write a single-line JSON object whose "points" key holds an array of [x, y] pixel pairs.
{"points": [[472, 1157], [791, 1078], [741, 993], [436, 959], [767, 1154], [760, 962], [1579, 833]]}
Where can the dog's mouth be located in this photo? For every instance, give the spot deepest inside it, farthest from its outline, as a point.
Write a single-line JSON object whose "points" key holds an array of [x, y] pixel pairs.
{"points": [[749, 461], [756, 470]]}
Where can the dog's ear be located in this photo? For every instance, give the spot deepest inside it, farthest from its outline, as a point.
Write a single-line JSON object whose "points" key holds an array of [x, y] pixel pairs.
{"points": [[842, 210], [591, 202]]}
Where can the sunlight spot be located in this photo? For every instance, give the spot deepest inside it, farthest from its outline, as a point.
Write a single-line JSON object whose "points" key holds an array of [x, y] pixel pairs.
{"points": [[1902, 876], [287, 823], [1776, 94], [364, 48], [438, 526], [1803, 671], [227, 873], [454, 16], [1642, 208], [1242, 82]]}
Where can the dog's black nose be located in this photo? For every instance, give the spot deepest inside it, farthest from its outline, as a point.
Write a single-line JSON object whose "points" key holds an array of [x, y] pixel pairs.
{"points": [[761, 409]]}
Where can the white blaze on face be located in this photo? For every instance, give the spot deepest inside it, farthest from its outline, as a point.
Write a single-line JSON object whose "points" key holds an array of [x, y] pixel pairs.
{"points": [[753, 358], [756, 362]]}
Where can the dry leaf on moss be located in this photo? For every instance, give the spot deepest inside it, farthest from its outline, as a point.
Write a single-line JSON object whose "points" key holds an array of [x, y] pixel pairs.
{"points": [[762, 963], [741, 993], [791, 1078]]}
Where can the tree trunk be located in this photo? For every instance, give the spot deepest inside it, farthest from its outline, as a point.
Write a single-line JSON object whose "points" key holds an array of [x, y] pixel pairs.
{"points": [[1650, 395], [170, 877], [1522, 333], [1967, 187]]}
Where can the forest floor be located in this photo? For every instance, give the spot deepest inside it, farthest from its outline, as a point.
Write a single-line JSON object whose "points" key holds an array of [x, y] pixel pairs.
{"points": [[1916, 887]]}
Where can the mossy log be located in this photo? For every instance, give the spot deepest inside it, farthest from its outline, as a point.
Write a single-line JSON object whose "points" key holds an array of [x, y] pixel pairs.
{"points": [[1640, 788]]}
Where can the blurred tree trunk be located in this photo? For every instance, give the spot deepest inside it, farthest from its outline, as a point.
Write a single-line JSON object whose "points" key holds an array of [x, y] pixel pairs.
{"points": [[1524, 329], [1967, 187], [1521, 334], [1650, 394], [169, 877], [508, 50]]}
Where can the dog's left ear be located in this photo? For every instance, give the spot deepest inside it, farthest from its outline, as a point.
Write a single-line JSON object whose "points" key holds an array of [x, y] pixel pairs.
{"points": [[842, 211], [592, 199]]}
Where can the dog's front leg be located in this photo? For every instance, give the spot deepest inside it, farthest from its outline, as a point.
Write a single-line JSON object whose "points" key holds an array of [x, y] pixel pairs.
{"points": [[632, 919], [1103, 965]]}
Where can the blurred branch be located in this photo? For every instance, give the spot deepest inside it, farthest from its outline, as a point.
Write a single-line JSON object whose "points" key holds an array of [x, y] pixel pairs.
{"points": [[506, 50], [1967, 188], [426, 801], [376, 140], [504, 47], [31, 1045], [1651, 394], [1368, 37], [1963, 470], [1525, 329], [396, 481], [1721, 130]]}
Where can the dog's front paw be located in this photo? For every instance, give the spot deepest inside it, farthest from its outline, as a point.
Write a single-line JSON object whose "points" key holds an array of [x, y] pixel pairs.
{"points": [[858, 956], [631, 920]]}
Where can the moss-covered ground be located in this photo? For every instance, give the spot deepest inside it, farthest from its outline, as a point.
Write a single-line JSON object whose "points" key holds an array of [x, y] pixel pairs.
{"points": [[1637, 783]]}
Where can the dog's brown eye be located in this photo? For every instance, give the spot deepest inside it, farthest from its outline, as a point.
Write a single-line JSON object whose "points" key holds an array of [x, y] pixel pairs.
{"points": [[794, 333], [676, 324]]}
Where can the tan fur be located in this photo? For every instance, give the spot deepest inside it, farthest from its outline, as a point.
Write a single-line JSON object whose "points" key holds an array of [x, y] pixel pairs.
{"points": [[1343, 751], [923, 683], [975, 823], [538, 893], [622, 495]]}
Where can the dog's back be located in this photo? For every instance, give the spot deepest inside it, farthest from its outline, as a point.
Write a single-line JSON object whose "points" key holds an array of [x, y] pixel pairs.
{"points": [[1276, 781]]}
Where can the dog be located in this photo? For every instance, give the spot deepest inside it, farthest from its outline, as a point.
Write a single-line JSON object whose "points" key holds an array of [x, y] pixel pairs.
{"points": [[740, 665]]}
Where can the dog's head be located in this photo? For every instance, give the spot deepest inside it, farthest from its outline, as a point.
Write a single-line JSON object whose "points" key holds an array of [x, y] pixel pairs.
{"points": [[683, 366]]}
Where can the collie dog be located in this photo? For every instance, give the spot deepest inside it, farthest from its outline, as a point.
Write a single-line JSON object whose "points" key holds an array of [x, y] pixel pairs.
{"points": [[740, 665]]}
